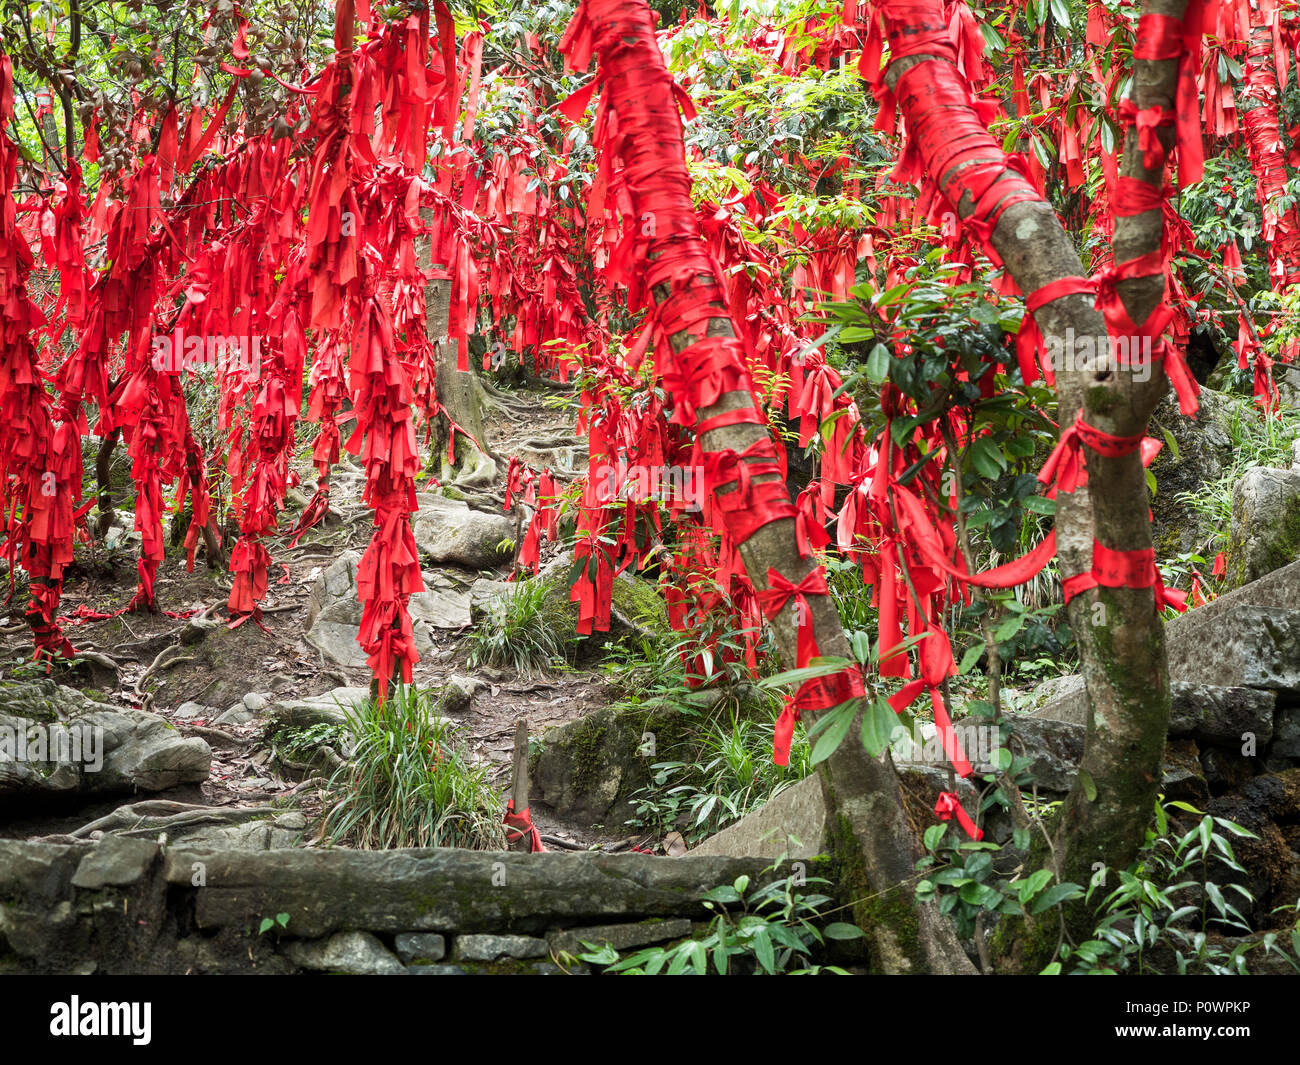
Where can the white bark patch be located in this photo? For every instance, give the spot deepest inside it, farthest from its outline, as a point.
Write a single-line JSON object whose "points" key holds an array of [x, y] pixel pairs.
{"points": [[1026, 229]]}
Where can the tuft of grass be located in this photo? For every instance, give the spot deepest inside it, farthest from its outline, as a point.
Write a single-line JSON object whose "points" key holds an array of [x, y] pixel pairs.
{"points": [[729, 773], [1258, 439], [407, 784], [526, 631]]}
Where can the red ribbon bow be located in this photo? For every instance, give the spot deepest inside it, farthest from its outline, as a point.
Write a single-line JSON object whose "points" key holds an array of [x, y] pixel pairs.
{"points": [[948, 806], [780, 591]]}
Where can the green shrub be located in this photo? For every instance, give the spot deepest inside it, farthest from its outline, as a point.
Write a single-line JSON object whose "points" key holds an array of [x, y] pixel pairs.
{"points": [[407, 784], [526, 631]]}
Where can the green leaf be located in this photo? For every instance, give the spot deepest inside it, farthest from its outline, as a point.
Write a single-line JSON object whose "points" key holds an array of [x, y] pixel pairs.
{"points": [[983, 895], [970, 658], [763, 951], [1001, 758], [819, 667], [1053, 896], [877, 368], [843, 930], [1089, 788], [1061, 12], [837, 727], [878, 724], [1029, 887], [1170, 442], [986, 458]]}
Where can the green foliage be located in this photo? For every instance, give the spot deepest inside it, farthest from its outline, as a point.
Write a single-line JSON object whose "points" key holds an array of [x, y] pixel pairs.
{"points": [[1167, 900], [962, 878], [773, 930], [280, 923], [1258, 439], [408, 785], [526, 631], [729, 773], [301, 744]]}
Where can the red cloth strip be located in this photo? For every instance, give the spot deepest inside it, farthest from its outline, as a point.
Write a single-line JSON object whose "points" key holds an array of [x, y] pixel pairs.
{"points": [[781, 591], [1029, 341], [949, 806], [1124, 569], [521, 824]]}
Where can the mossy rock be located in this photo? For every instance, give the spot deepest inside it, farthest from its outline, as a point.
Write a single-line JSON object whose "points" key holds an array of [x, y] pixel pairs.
{"points": [[1265, 533], [588, 770]]}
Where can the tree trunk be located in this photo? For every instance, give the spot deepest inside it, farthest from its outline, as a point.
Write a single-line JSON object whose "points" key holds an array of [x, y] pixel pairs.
{"points": [[1119, 630], [874, 844], [460, 392]]}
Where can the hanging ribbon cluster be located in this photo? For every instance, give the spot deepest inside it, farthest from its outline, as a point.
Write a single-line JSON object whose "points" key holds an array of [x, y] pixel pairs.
{"points": [[36, 505]]}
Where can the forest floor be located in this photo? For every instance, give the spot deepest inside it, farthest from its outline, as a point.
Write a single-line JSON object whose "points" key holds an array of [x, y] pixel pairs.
{"points": [[276, 658]]}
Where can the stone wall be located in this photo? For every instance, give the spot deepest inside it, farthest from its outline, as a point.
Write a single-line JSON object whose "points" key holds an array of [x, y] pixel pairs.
{"points": [[123, 905]]}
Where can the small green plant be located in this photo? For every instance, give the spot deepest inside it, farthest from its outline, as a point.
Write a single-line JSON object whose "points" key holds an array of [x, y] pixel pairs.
{"points": [[1167, 904], [407, 783], [729, 774], [302, 744], [772, 930], [280, 922], [1258, 439], [526, 631], [960, 875]]}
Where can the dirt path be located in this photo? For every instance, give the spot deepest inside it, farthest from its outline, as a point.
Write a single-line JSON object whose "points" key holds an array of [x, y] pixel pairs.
{"points": [[276, 658]]}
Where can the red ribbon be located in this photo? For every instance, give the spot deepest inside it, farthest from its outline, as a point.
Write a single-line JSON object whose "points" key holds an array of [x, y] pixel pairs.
{"points": [[1124, 569], [949, 806], [781, 590], [520, 825]]}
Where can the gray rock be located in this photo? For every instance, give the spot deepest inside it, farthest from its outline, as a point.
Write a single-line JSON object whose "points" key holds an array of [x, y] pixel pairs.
{"points": [[331, 708], [420, 947], [334, 615], [190, 711], [115, 861], [498, 948], [449, 531], [513, 968], [1053, 696], [588, 769], [293, 821], [449, 890], [1054, 748], [460, 691], [1265, 531], [355, 953], [1286, 733], [256, 701], [618, 936], [253, 835], [792, 822], [1212, 714], [238, 714], [444, 604], [90, 748], [1247, 646], [1221, 716]]}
